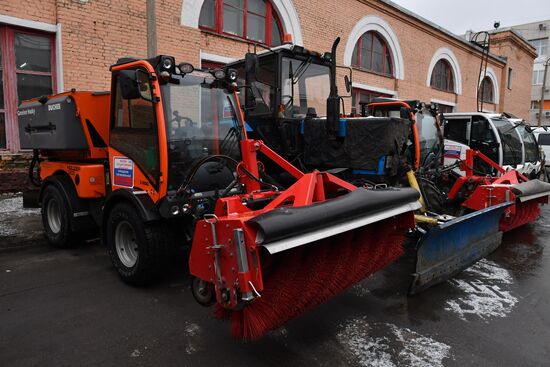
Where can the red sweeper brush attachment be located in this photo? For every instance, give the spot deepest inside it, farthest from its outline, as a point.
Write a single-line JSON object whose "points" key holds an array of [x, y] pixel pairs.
{"points": [[525, 195], [269, 256]]}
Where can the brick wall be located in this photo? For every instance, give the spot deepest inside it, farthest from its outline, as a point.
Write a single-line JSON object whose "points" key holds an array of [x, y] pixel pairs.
{"points": [[96, 33]]}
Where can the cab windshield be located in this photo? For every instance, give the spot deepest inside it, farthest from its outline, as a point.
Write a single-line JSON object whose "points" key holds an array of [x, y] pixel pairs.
{"points": [[304, 85], [530, 144], [201, 121], [430, 144], [511, 144]]}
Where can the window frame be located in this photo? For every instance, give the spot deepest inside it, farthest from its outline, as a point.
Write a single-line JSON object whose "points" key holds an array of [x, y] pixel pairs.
{"points": [[155, 181], [450, 77], [10, 72], [356, 97], [270, 14], [542, 43], [386, 50]]}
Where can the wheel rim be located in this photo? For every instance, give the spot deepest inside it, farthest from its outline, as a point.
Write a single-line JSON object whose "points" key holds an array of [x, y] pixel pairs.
{"points": [[125, 243], [202, 291], [53, 214]]}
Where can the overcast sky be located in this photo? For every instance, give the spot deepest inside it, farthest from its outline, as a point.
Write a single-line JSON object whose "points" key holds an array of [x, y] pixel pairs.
{"points": [[460, 16]]}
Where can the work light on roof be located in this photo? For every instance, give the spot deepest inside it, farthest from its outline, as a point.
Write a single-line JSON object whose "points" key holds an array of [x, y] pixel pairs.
{"points": [[186, 68]]}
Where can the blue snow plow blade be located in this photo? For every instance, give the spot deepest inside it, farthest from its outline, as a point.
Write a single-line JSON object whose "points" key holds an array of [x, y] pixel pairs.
{"points": [[449, 248]]}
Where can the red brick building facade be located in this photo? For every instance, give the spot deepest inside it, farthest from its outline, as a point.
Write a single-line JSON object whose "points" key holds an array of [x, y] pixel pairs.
{"points": [[55, 45]]}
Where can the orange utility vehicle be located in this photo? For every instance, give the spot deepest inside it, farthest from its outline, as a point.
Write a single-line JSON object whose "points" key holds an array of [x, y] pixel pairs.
{"points": [[164, 160]]}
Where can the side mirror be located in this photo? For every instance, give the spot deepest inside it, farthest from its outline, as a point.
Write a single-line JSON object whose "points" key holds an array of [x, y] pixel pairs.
{"points": [[128, 82], [251, 63], [347, 81], [135, 84]]}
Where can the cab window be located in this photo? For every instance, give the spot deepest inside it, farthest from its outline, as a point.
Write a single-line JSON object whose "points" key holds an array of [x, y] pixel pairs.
{"points": [[134, 129], [457, 130]]}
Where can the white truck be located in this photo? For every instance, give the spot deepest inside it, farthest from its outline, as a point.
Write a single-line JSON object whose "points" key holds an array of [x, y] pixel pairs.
{"points": [[506, 141]]}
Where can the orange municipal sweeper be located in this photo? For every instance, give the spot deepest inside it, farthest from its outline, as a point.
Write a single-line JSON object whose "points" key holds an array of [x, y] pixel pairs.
{"points": [[163, 160]]}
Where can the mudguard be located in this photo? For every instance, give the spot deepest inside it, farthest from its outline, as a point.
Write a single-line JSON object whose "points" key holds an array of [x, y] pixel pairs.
{"points": [[451, 247]]}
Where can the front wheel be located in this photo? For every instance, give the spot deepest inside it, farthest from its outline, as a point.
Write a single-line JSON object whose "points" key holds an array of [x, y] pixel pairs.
{"points": [[138, 250]]}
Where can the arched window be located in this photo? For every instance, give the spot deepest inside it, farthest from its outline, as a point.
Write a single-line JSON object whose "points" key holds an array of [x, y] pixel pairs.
{"points": [[487, 90], [373, 54], [254, 20], [442, 76]]}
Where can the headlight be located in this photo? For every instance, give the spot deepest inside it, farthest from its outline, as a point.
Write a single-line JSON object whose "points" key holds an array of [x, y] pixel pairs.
{"points": [[218, 73], [232, 75], [186, 68], [167, 63]]}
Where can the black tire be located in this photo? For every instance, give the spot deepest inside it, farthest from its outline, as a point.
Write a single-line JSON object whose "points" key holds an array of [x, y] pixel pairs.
{"points": [[150, 242], [56, 218], [203, 292]]}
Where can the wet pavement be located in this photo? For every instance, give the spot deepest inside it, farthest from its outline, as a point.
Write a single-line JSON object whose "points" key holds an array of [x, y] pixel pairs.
{"points": [[68, 308]]}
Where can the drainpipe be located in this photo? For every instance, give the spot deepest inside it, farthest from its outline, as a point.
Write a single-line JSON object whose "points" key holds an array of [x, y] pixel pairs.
{"points": [[541, 103], [151, 29]]}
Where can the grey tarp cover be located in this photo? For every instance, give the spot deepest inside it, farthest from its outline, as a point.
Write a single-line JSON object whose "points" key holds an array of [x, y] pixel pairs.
{"points": [[365, 142]]}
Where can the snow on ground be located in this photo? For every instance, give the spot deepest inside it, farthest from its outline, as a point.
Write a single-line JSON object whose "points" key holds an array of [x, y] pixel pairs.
{"points": [[387, 345], [484, 292], [13, 206]]}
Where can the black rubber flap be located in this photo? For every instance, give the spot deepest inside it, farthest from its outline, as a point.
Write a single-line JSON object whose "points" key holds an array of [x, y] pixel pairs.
{"points": [[284, 223], [531, 187], [366, 141]]}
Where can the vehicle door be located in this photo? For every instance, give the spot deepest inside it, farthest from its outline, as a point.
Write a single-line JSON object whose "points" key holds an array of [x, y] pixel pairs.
{"points": [[484, 139]]}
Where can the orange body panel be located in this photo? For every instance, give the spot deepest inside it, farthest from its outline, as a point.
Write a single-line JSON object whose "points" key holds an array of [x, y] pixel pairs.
{"points": [[88, 179]]}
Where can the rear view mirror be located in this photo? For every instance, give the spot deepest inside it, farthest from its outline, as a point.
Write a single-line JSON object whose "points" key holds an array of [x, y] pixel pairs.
{"points": [[251, 62], [347, 81], [128, 82], [135, 84]]}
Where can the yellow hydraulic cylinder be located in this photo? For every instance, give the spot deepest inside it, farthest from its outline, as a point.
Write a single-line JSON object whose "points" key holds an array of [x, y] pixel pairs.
{"points": [[414, 184]]}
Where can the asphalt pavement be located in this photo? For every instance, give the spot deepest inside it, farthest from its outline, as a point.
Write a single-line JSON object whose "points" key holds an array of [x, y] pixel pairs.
{"points": [[68, 308]]}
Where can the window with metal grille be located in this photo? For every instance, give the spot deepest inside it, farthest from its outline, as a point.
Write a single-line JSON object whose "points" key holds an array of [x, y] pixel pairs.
{"points": [[372, 53], [442, 76], [253, 20]]}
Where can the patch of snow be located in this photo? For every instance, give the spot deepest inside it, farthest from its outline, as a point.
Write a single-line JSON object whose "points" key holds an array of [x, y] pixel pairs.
{"points": [[14, 207], [387, 345], [192, 329], [484, 292]]}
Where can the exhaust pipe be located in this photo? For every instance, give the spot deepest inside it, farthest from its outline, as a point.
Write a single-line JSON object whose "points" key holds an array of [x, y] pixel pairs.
{"points": [[333, 100]]}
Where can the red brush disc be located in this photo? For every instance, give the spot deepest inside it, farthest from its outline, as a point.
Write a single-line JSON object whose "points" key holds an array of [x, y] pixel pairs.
{"points": [[307, 276]]}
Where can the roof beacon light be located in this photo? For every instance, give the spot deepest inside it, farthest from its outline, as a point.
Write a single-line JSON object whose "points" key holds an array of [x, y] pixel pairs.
{"points": [[287, 39]]}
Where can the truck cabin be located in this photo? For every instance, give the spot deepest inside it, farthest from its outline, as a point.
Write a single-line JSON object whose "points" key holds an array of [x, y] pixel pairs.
{"points": [[427, 121], [284, 85], [494, 136]]}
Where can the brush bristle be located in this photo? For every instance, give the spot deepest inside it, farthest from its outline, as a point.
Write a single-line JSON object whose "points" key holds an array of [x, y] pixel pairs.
{"points": [[305, 277], [525, 213]]}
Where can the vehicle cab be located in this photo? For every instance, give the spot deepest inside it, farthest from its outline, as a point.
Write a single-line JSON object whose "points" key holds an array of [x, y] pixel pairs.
{"points": [[493, 135]]}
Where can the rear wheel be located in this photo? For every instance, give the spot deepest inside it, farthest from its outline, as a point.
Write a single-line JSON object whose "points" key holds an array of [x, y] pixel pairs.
{"points": [[56, 218], [138, 250]]}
